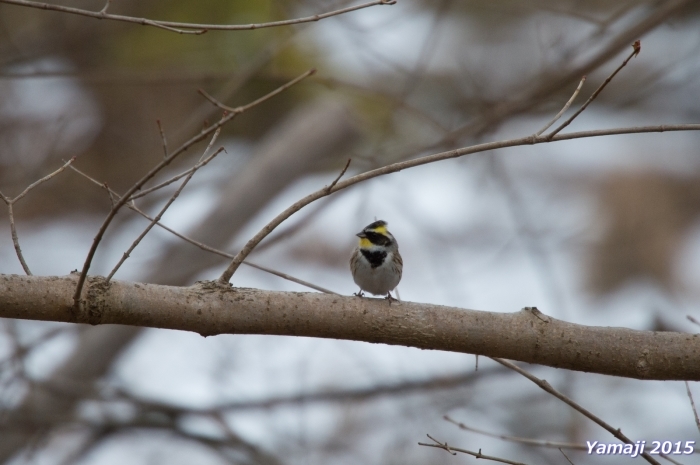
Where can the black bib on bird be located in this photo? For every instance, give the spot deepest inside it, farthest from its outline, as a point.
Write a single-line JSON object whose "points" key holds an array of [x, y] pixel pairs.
{"points": [[375, 258]]}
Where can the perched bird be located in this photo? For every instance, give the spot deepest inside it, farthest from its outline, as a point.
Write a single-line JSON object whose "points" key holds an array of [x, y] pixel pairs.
{"points": [[375, 263]]}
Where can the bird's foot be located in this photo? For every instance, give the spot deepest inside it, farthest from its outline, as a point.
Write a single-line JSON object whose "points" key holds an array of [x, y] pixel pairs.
{"points": [[390, 298], [359, 293]]}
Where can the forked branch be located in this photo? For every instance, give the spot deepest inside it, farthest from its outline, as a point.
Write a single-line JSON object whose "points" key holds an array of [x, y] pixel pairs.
{"points": [[10, 212], [155, 170]]}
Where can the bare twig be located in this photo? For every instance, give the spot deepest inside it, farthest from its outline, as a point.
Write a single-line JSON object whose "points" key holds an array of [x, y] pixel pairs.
{"points": [[262, 99], [10, 212], [636, 48], [563, 110], [284, 276], [394, 167], [199, 164], [191, 28], [335, 181], [478, 455], [528, 441], [164, 141], [202, 246], [104, 9], [15, 239], [692, 404], [201, 135], [165, 207], [43, 180], [544, 385], [565, 456], [214, 101]]}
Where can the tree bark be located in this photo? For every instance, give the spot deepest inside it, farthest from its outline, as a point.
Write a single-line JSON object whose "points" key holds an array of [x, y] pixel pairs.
{"points": [[209, 309]]}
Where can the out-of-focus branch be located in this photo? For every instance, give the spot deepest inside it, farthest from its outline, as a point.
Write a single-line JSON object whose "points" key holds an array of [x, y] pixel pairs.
{"points": [[692, 405], [332, 396], [526, 441], [53, 405], [209, 309], [190, 28], [544, 385], [548, 85]]}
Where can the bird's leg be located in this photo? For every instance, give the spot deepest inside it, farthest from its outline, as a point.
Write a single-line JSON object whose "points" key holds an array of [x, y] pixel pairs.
{"points": [[390, 298], [359, 293]]}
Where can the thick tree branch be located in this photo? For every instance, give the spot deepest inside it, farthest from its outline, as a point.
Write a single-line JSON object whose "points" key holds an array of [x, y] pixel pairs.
{"points": [[208, 308]]}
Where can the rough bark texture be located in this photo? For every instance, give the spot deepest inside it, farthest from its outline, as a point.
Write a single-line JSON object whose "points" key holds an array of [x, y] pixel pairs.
{"points": [[209, 309]]}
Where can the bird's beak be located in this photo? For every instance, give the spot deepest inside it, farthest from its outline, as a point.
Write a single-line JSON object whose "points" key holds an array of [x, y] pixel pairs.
{"points": [[361, 234]]}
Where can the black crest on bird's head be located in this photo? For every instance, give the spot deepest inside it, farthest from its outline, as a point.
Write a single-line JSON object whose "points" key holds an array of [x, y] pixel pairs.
{"points": [[377, 233], [376, 225]]}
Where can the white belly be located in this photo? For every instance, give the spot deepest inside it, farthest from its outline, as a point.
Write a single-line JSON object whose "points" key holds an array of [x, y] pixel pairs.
{"points": [[377, 281]]}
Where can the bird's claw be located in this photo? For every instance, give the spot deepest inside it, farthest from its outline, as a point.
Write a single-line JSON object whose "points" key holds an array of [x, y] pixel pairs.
{"points": [[390, 298]]}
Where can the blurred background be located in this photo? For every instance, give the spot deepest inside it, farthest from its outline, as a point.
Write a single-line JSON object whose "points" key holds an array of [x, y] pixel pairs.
{"points": [[601, 231]]}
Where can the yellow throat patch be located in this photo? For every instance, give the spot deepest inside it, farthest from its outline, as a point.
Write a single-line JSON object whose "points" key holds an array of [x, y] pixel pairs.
{"points": [[365, 243]]}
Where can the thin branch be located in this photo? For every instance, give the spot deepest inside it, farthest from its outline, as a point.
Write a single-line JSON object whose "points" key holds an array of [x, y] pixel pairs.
{"points": [[10, 212], [202, 246], [335, 181], [109, 191], [478, 455], [285, 276], [636, 48], [693, 320], [43, 180], [163, 184], [394, 167], [162, 211], [15, 239], [528, 441], [164, 141], [192, 28], [243, 108], [560, 80], [566, 457], [544, 385], [104, 9], [202, 134], [563, 110], [692, 404], [214, 101]]}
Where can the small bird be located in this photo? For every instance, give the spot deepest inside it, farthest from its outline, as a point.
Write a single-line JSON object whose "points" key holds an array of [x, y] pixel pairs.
{"points": [[376, 264]]}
